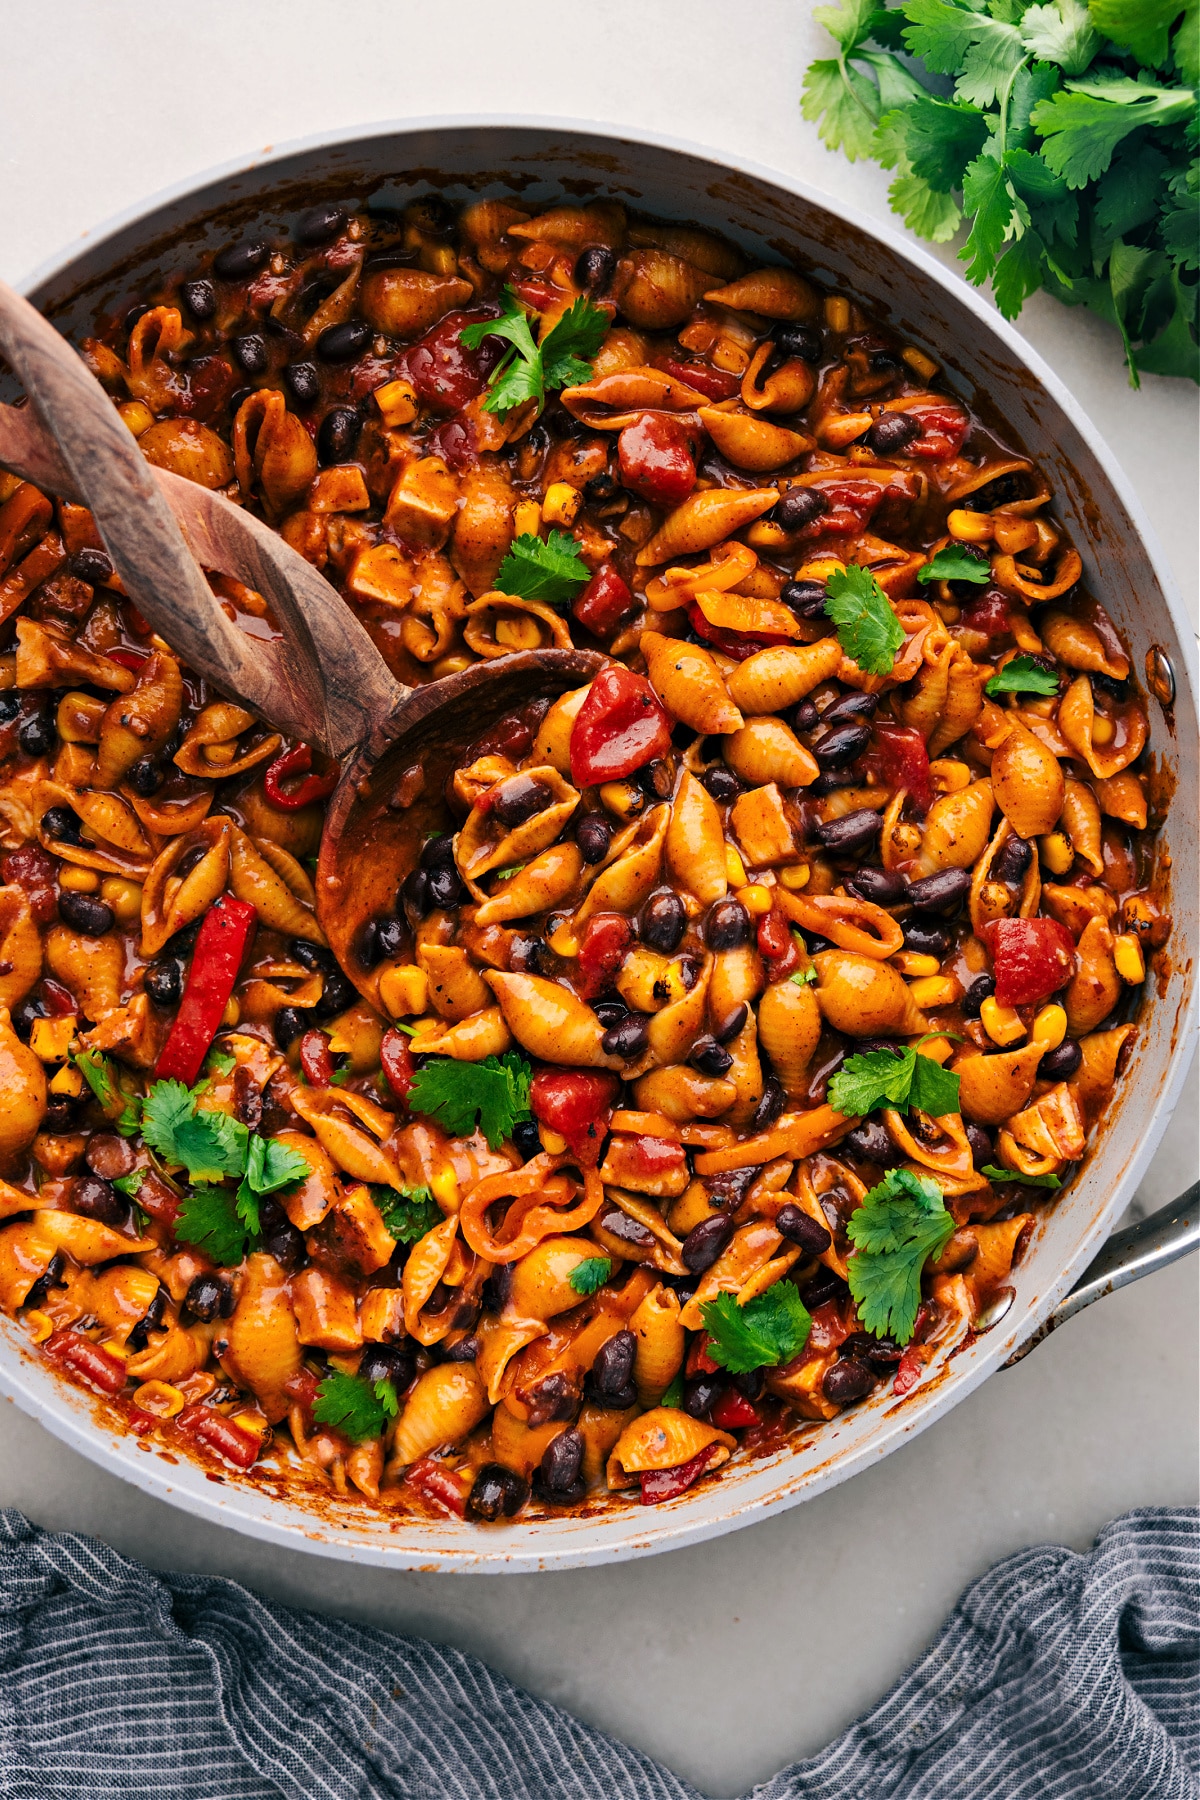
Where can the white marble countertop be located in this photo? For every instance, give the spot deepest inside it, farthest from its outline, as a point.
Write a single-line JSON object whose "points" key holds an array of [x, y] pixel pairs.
{"points": [[730, 1659]]}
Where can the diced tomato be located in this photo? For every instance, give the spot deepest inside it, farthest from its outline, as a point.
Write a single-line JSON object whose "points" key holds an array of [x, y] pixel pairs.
{"points": [[1031, 958], [699, 1362], [665, 1484], [443, 371], [129, 659], [210, 381], [620, 727], [902, 761], [774, 937], [576, 1104], [396, 1057], [316, 1059], [447, 1488], [606, 939], [59, 999], [455, 442], [156, 1198], [97, 1368], [140, 1422], [733, 1412], [206, 1426], [716, 383], [737, 644], [987, 613], [850, 504], [650, 1157], [829, 1329], [943, 428], [302, 1389], [604, 602], [908, 1370], [34, 871], [541, 295], [656, 459]]}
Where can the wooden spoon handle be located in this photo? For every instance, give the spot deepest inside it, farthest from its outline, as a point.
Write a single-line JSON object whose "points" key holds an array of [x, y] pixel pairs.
{"points": [[324, 681]]}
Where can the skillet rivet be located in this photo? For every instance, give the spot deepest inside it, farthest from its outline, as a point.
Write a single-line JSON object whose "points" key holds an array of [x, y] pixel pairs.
{"points": [[1160, 676]]}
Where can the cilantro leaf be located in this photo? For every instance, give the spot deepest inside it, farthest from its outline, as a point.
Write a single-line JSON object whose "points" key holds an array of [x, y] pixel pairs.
{"points": [[408, 1213], [769, 1330], [673, 1395], [941, 139], [457, 1094], [868, 630], [803, 977], [590, 1276], [1018, 274], [1060, 33], [121, 1109], [843, 104], [986, 194], [209, 1218], [1139, 26], [549, 569], [269, 1167], [933, 1090], [1022, 676], [529, 369], [129, 1184], [879, 1078], [1083, 124], [1043, 1181], [984, 53], [954, 562], [568, 349], [354, 1405], [899, 1226], [208, 1144]]}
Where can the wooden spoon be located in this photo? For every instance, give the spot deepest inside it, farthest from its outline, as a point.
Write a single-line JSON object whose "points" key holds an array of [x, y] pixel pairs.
{"points": [[321, 679]]}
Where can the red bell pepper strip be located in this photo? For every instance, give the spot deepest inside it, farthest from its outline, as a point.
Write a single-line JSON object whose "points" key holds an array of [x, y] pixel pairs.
{"points": [[733, 1412], [396, 1058], [446, 1488], [316, 1059], [297, 761], [908, 1371], [621, 726], [706, 380], [220, 948], [738, 644], [212, 1429], [665, 1484], [93, 1365], [1031, 958]]}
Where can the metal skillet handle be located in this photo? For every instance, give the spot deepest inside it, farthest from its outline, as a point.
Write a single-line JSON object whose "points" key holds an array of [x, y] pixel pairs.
{"points": [[1128, 1255], [324, 681]]}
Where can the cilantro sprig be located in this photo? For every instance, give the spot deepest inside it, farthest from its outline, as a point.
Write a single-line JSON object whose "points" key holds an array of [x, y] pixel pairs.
{"points": [[1022, 676], [880, 1078], [954, 562], [769, 1330], [530, 370], [122, 1109], [590, 1276], [354, 1405], [493, 1093], [408, 1213], [867, 627], [548, 569], [1043, 1181], [899, 1226], [1067, 144]]}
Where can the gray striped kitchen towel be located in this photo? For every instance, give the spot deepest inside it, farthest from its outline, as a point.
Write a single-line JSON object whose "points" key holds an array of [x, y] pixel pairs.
{"points": [[1058, 1677]]}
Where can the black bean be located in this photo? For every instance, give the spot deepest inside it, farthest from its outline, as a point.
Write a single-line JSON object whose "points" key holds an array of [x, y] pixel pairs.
{"points": [[25, 1013], [848, 1379], [701, 1393], [612, 1371], [519, 799], [805, 717], [610, 1012], [525, 1137], [235, 400], [317, 224], [728, 925], [798, 507], [303, 382], [94, 1198], [806, 599], [1100, 683], [849, 834], [497, 1288], [824, 1286], [366, 945], [342, 343], [628, 1039], [770, 1106], [872, 1141], [728, 1027], [58, 1115], [708, 1056], [337, 993], [941, 893], [925, 938], [705, 1242], [290, 1021], [1061, 1064], [92, 566], [560, 1467], [657, 778], [314, 957], [10, 706], [51, 1277], [438, 852], [280, 1238], [390, 933], [849, 709], [1014, 858], [530, 956], [163, 981], [445, 888], [38, 735], [980, 990], [722, 784], [388, 1362], [62, 823], [200, 298], [600, 489], [209, 1297], [803, 341], [593, 834], [337, 435], [85, 913], [237, 261], [250, 353], [595, 267], [145, 777], [892, 432], [414, 896], [840, 744], [496, 1493], [799, 1228], [663, 922], [982, 1148], [882, 887]]}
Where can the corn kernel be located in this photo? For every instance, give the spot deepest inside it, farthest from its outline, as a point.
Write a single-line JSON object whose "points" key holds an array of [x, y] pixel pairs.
{"points": [[562, 939], [795, 876], [521, 632], [159, 1398], [561, 503], [397, 402], [1056, 852], [623, 798], [50, 1039], [1050, 1027], [764, 535], [77, 880], [232, 1014], [921, 365], [125, 898], [914, 962], [454, 664], [1103, 730], [137, 416], [552, 1143], [253, 1424], [404, 990], [1127, 955], [969, 527], [837, 312], [443, 1185], [40, 1325], [116, 1348], [8, 485], [68, 1082], [756, 898], [935, 990], [735, 871], [527, 518], [1001, 1023]]}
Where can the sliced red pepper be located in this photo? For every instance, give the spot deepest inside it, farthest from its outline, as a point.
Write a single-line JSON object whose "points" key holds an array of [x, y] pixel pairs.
{"points": [[737, 644], [297, 761], [396, 1057], [699, 1362], [302, 1390], [606, 939], [576, 1104], [604, 602], [702, 376], [908, 1371], [96, 1367], [774, 935], [656, 459], [156, 1198], [902, 761], [665, 1484], [206, 1426], [139, 1422], [733, 1412], [620, 727], [220, 949], [59, 999], [1031, 958], [129, 659], [447, 1488], [316, 1059]]}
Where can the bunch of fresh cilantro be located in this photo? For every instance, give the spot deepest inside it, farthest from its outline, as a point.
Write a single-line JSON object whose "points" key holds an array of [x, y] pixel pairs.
{"points": [[1065, 135]]}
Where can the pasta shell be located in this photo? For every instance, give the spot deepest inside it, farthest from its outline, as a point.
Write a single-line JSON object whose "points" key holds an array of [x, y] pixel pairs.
{"points": [[264, 1350], [688, 682], [863, 997], [484, 527], [140, 724], [663, 1438], [550, 1022], [406, 302], [752, 443], [20, 947], [695, 842], [789, 1024], [704, 519], [765, 750], [772, 680], [23, 1084], [656, 290], [1027, 781], [772, 293], [254, 880]]}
